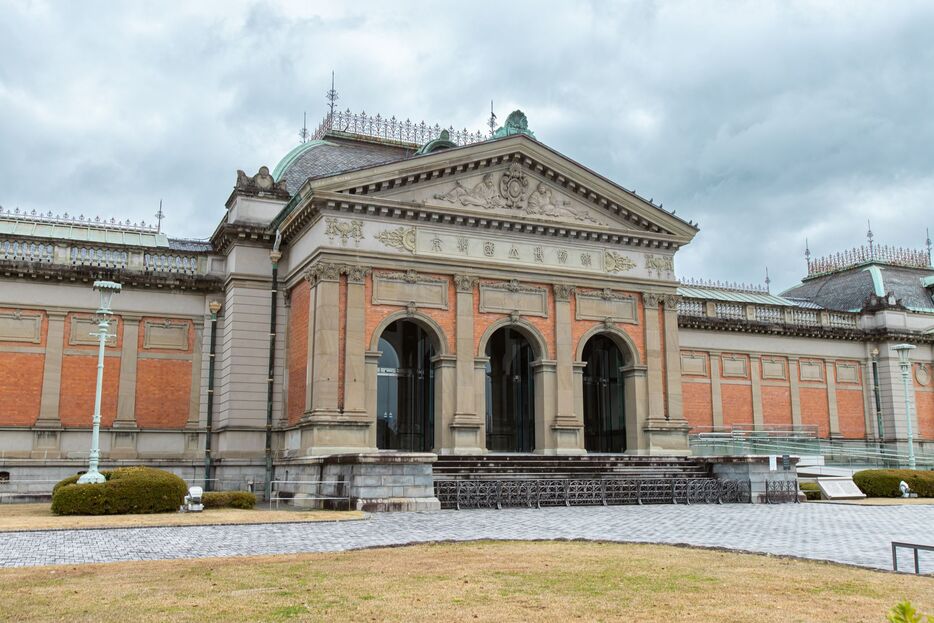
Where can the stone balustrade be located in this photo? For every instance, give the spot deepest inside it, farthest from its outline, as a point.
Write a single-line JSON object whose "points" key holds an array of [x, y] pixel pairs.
{"points": [[767, 314]]}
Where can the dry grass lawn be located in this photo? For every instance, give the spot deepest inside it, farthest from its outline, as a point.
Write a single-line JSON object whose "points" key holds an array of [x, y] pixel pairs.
{"points": [[40, 517], [502, 582]]}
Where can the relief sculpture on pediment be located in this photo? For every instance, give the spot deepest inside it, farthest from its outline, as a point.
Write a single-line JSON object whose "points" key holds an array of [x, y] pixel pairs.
{"points": [[512, 192]]}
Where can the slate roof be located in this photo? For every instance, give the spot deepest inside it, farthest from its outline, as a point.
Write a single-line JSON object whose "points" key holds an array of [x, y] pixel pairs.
{"points": [[332, 156], [848, 290], [735, 296], [184, 244]]}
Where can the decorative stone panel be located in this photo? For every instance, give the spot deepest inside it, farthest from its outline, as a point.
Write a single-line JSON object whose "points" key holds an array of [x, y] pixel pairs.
{"points": [[82, 330], [693, 364], [774, 369], [735, 366], [165, 335], [811, 370], [847, 372], [509, 297], [606, 304], [16, 327], [410, 288]]}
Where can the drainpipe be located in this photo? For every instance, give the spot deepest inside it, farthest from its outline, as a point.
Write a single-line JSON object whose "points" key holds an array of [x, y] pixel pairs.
{"points": [[275, 255], [214, 306]]}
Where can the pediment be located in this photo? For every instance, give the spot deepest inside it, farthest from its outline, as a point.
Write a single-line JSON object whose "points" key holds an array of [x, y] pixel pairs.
{"points": [[507, 190], [515, 178]]}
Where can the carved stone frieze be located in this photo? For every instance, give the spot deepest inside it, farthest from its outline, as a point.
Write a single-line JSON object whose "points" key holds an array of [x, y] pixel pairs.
{"points": [[261, 184], [16, 327], [465, 283], [356, 274], [671, 301], [401, 238], [563, 292], [616, 262], [344, 229], [512, 186], [651, 299], [659, 264]]}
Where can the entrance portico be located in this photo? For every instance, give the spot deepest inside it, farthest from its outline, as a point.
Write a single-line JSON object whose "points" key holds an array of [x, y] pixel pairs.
{"points": [[496, 297]]}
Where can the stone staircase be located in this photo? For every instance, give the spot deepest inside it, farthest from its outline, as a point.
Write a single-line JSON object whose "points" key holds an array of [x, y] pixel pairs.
{"points": [[525, 480]]}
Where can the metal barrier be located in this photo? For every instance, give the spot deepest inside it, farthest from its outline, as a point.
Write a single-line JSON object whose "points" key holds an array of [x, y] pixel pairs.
{"points": [[913, 546], [275, 493], [536, 493]]}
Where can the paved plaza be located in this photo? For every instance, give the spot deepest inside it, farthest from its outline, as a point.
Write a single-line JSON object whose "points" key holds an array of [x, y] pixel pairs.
{"points": [[859, 535]]}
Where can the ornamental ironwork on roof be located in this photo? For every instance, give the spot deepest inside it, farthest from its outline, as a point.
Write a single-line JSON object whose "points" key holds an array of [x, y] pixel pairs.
{"points": [[69, 219], [732, 286], [390, 129], [868, 254]]}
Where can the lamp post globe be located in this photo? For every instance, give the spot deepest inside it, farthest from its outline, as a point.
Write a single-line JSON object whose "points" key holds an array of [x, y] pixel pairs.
{"points": [[106, 289], [904, 350]]}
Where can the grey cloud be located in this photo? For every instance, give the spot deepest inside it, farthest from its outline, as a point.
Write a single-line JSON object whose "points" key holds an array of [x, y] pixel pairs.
{"points": [[766, 122]]}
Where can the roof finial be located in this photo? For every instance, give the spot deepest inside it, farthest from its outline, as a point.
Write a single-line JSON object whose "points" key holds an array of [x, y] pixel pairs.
{"points": [[768, 281], [807, 252], [927, 243], [159, 216], [492, 121], [303, 133], [332, 97], [869, 236]]}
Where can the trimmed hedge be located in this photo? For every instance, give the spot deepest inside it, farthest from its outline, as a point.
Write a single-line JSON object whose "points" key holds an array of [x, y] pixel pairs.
{"points": [[128, 490], [883, 483], [228, 499], [810, 490]]}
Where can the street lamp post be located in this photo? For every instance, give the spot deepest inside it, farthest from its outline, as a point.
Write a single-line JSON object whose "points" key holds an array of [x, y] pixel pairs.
{"points": [[903, 351], [107, 289]]}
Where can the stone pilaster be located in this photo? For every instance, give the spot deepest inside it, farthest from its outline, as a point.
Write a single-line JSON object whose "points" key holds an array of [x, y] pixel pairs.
{"points": [[466, 426], [755, 379], [194, 402], [52, 371], [673, 359], [794, 382], [653, 356], [869, 407], [310, 340], [831, 374], [569, 424], [126, 399], [716, 398], [325, 362], [354, 344]]}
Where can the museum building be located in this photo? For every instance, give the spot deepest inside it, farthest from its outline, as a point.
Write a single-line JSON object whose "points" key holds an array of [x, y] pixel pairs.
{"points": [[399, 287]]}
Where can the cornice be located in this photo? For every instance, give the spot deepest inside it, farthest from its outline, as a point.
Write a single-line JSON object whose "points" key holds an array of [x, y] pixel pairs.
{"points": [[88, 274], [820, 332]]}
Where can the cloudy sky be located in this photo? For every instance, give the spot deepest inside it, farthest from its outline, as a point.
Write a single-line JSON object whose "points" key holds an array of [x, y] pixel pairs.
{"points": [[767, 123]]}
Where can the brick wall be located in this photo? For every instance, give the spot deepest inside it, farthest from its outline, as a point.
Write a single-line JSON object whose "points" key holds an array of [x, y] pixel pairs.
{"points": [[698, 408], [924, 399], [79, 377], [737, 403], [163, 388], [635, 331], [776, 405], [21, 375], [814, 409]]}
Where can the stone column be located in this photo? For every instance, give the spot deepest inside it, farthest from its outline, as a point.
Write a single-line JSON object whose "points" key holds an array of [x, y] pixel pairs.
{"points": [[869, 407], [716, 400], [354, 346], [793, 380], [830, 371], [673, 359], [755, 378], [465, 428], [653, 356], [325, 363], [568, 423], [52, 371], [126, 399]]}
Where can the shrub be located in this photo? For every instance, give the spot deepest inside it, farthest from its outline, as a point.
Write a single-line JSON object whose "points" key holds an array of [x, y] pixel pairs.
{"points": [[883, 483], [127, 490], [811, 490], [228, 499]]}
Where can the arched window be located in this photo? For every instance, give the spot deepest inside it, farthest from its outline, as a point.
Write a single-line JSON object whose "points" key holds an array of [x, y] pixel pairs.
{"points": [[405, 389], [604, 404], [510, 393]]}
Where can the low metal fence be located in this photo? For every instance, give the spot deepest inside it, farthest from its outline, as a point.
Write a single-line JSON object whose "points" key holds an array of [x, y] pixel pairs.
{"points": [[277, 495], [538, 493], [912, 546]]}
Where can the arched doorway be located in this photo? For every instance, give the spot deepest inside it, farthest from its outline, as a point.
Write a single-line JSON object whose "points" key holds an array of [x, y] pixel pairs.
{"points": [[604, 399], [405, 389], [510, 393]]}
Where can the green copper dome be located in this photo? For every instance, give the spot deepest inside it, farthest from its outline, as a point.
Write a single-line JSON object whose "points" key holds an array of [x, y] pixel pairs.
{"points": [[294, 155]]}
